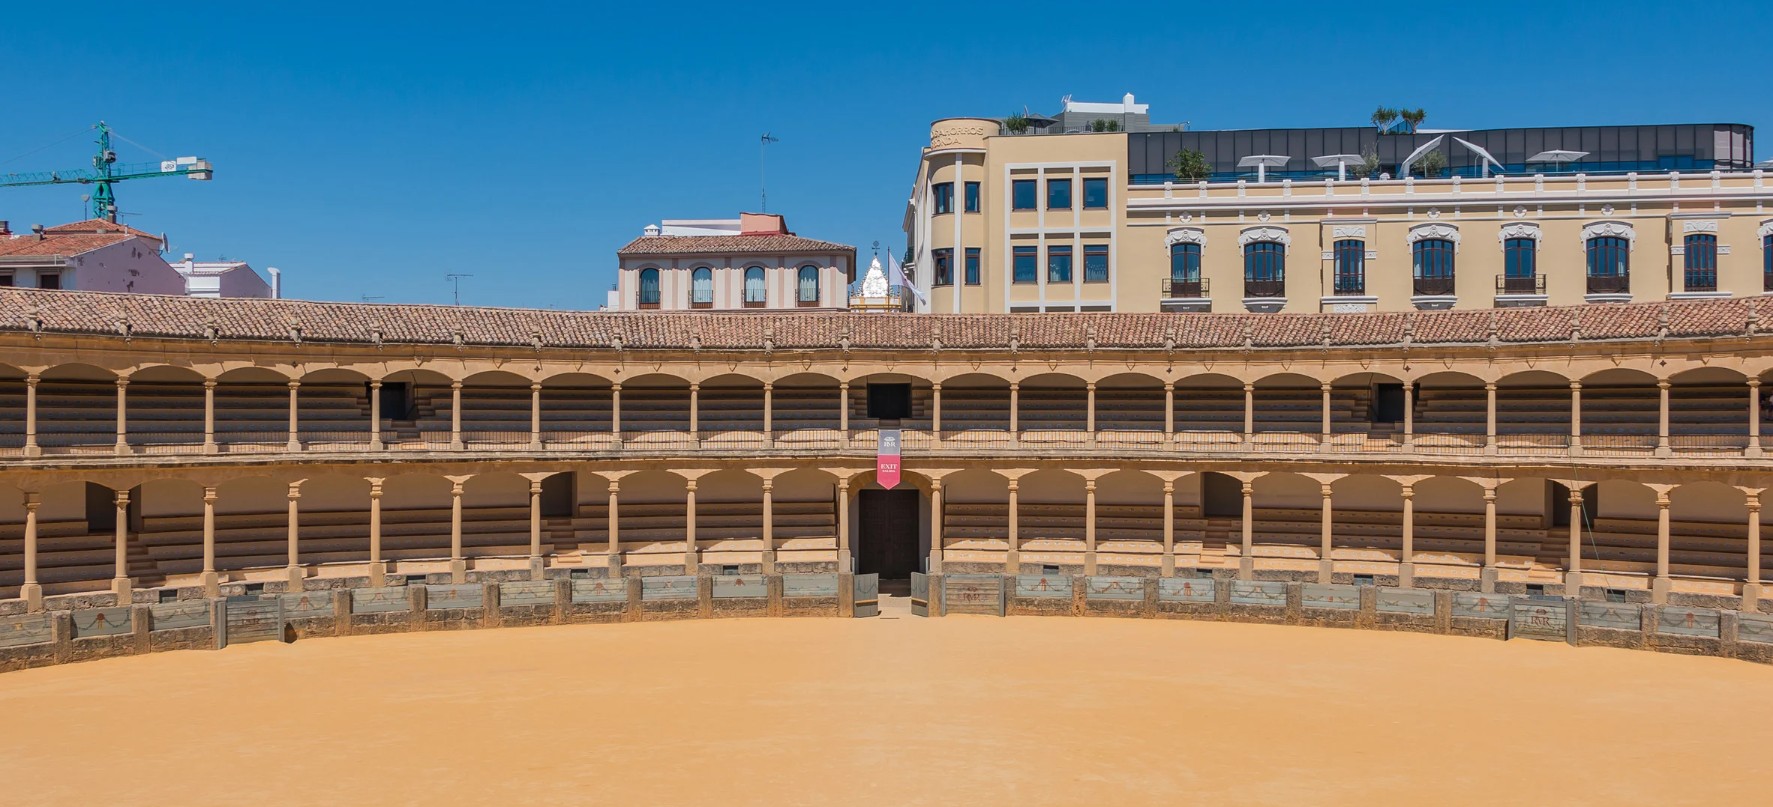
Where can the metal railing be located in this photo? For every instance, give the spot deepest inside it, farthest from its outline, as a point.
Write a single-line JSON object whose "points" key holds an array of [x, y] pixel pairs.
{"points": [[1433, 286], [1609, 284], [1184, 289], [1532, 284], [1265, 288]]}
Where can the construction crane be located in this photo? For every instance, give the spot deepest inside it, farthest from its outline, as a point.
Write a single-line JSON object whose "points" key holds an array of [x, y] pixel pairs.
{"points": [[105, 171]]}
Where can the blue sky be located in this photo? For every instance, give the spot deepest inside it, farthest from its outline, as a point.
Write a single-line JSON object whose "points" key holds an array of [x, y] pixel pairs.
{"points": [[370, 149]]}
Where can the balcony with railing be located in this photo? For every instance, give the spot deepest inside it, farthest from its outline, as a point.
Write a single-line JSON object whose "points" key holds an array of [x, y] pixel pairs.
{"points": [[1185, 289], [1441, 286], [1265, 288], [1524, 285], [1609, 284]]}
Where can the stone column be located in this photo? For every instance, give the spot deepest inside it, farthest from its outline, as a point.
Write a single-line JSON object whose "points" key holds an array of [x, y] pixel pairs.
{"points": [[695, 412], [769, 527], [614, 552], [212, 584], [455, 415], [1662, 385], [843, 410], [378, 569], [844, 565], [1089, 526], [769, 407], [31, 448], [458, 563], [692, 562], [615, 411], [936, 411], [120, 582], [1169, 411], [375, 415], [1326, 562], [1247, 562], [1487, 574], [1573, 573], [1169, 559], [1751, 586], [1406, 568], [1575, 417], [1324, 439], [535, 417], [1409, 415], [1012, 559], [935, 526], [294, 572], [1249, 412], [1090, 409], [31, 591], [535, 529], [209, 446], [1015, 407], [1489, 417], [122, 416], [295, 439], [1754, 418], [1659, 587]]}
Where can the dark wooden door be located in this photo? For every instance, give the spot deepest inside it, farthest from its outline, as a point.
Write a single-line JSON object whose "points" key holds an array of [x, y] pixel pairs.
{"points": [[887, 535]]}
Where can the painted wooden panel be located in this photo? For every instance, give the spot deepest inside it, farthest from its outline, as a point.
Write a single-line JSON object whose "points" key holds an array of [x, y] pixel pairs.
{"points": [[742, 586], [1683, 621], [972, 594], [1041, 585], [179, 615], [1406, 601], [1754, 628], [1258, 592], [1186, 589], [251, 619], [1477, 605], [26, 629], [101, 622], [465, 595], [1538, 619], [1615, 615], [379, 600], [669, 587], [920, 594], [600, 590], [525, 593], [866, 590], [1330, 595], [307, 604], [809, 585], [1114, 588]]}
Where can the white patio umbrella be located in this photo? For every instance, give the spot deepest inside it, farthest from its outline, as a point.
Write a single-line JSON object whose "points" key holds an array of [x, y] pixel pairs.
{"points": [[1263, 162], [1557, 156], [1341, 161]]}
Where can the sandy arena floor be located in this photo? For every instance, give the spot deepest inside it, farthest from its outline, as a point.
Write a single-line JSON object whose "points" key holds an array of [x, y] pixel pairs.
{"points": [[963, 710]]}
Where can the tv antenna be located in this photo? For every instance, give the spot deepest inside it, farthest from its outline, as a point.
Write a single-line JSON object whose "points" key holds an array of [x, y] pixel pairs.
{"points": [[372, 297], [455, 279], [763, 196]]}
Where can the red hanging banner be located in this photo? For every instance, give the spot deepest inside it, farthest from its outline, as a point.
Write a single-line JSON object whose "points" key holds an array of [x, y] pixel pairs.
{"points": [[886, 462]]}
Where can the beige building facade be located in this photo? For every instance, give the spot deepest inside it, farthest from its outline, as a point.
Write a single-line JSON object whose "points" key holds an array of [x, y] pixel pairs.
{"points": [[1057, 222], [752, 262]]}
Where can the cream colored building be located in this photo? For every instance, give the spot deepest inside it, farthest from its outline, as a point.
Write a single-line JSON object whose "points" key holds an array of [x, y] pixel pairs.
{"points": [[1065, 220], [749, 262]]}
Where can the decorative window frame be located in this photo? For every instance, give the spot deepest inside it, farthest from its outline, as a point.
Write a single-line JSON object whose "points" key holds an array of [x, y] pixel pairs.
{"points": [[1601, 229], [1520, 229], [1252, 235], [1765, 230], [1433, 231], [1347, 232], [1186, 235]]}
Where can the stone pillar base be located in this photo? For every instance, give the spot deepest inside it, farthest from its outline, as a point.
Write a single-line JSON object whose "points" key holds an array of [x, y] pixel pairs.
{"points": [[1326, 571], [376, 444], [1753, 450], [1089, 562], [769, 561], [458, 571], [1406, 575], [1663, 451], [1751, 597], [33, 451], [123, 588], [692, 562], [537, 568], [295, 445], [935, 563], [1572, 584], [378, 574], [212, 584], [1012, 562], [32, 594], [295, 575], [1659, 588], [1246, 568], [123, 450], [1487, 580], [1168, 569], [846, 562], [613, 564]]}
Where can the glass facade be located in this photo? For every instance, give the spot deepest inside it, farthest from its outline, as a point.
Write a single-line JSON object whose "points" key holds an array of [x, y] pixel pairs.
{"points": [[1351, 266], [1701, 262]]}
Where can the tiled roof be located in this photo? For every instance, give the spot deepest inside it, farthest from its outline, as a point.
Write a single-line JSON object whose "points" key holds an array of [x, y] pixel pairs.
{"points": [[99, 226], [728, 244], [58, 243], [71, 312]]}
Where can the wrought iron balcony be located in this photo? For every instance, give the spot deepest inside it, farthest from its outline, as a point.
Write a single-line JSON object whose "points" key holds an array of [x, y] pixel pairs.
{"points": [[1265, 288], [1609, 284], [1532, 284], [1434, 286], [1184, 289]]}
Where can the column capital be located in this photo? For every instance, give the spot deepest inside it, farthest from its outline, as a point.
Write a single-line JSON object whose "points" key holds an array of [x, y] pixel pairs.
{"points": [[1489, 494], [1324, 387], [1663, 383], [614, 487], [1013, 485], [455, 385], [1754, 383], [1489, 386], [1249, 488], [1169, 386], [535, 386], [122, 381], [615, 386], [1407, 491], [295, 384], [210, 383], [1089, 486], [769, 485], [33, 499], [33, 378], [211, 493], [1169, 487], [1327, 490], [535, 488], [695, 386], [122, 497], [1249, 386], [375, 384], [1576, 386]]}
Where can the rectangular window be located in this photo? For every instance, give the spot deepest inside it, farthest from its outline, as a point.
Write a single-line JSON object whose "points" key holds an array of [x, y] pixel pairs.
{"points": [[1024, 265], [1096, 193], [1058, 264], [1058, 194], [972, 200], [944, 269], [972, 266], [944, 195], [1095, 263], [1351, 266], [6, 281], [889, 401], [49, 280], [1022, 194]]}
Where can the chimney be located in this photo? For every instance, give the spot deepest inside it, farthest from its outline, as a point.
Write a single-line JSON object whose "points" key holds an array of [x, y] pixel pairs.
{"points": [[5, 227], [650, 230], [276, 282], [38, 229], [190, 259]]}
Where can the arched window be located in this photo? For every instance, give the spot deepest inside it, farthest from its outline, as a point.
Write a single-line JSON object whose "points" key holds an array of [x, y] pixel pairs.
{"points": [[1432, 259], [1184, 270], [1351, 266], [755, 293], [1609, 264], [702, 287], [649, 288], [808, 285], [1265, 269], [1520, 267], [1701, 259]]}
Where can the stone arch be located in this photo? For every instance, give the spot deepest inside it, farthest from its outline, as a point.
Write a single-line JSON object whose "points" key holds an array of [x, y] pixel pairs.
{"points": [[575, 407], [975, 406], [1130, 407], [1620, 410], [657, 404]]}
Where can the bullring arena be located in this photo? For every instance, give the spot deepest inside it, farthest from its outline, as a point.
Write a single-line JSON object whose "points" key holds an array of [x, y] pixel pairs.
{"points": [[182, 474]]}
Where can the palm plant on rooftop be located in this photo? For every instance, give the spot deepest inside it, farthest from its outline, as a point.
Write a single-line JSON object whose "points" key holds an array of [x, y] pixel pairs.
{"points": [[1383, 117], [1414, 117], [1016, 123]]}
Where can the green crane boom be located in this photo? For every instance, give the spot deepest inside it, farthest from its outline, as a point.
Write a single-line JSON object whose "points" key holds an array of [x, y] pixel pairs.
{"points": [[106, 170]]}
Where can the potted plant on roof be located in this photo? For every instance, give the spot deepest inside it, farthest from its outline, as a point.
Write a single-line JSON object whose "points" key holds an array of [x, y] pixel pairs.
{"points": [[1016, 123], [1413, 118], [1383, 117], [1190, 165]]}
